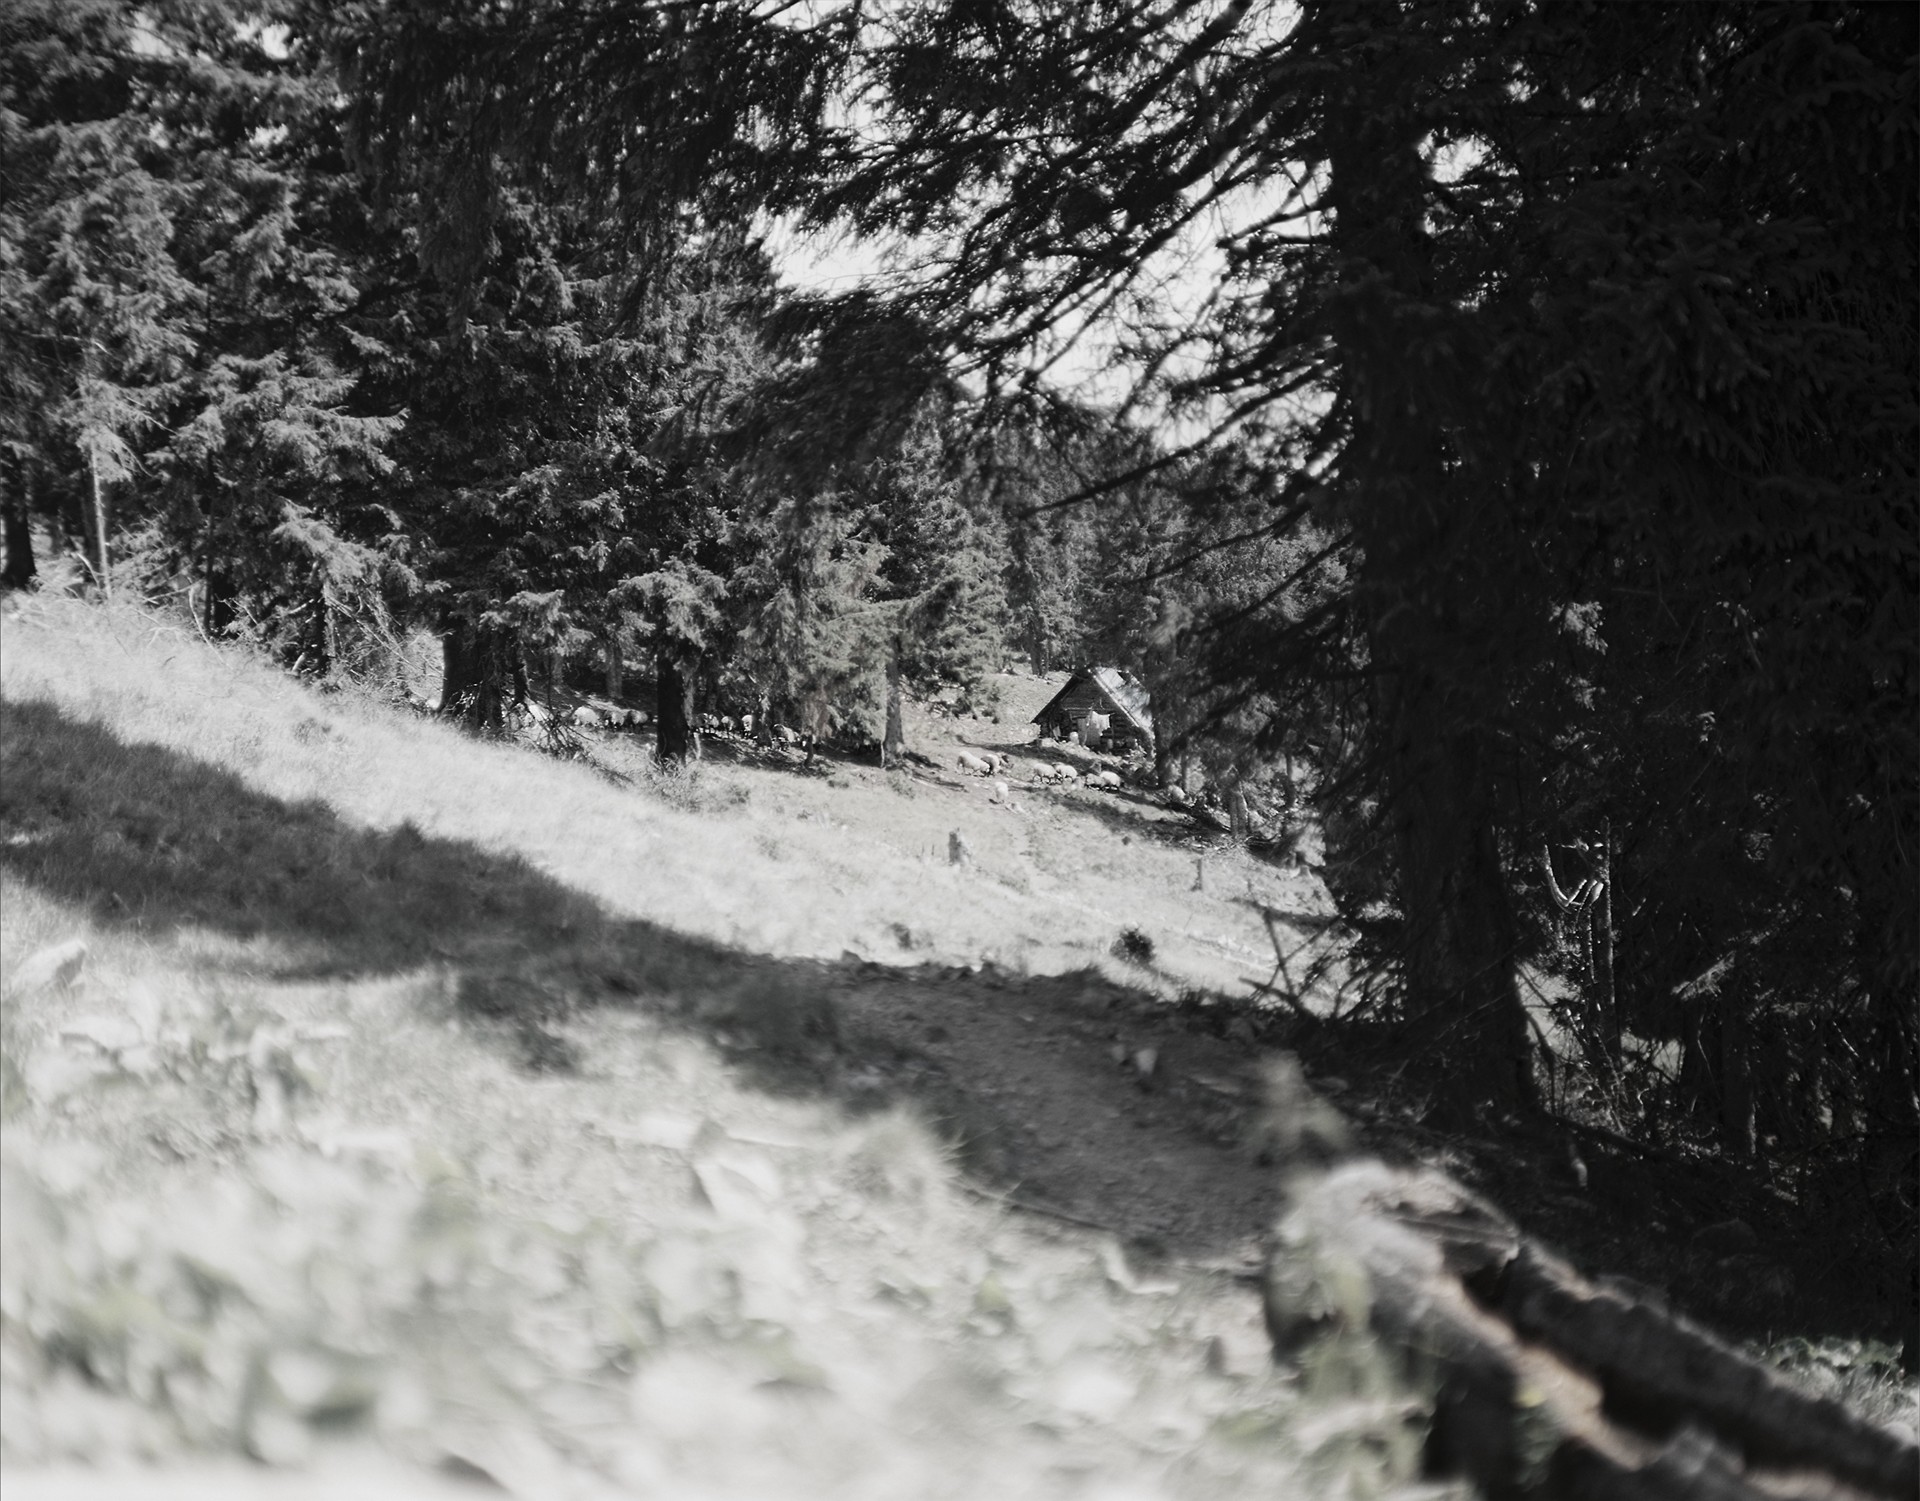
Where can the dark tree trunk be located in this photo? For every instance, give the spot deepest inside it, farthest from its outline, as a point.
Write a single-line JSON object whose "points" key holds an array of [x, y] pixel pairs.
{"points": [[1462, 988], [893, 745], [21, 570], [479, 673], [673, 710], [1163, 773], [616, 670], [1420, 588], [216, 611], [216, 601]]}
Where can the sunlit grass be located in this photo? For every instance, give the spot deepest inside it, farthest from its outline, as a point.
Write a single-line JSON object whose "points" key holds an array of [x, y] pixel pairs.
{"points": [[432, 1093]]}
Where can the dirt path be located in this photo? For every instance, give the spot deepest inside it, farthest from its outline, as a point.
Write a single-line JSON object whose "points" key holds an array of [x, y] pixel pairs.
{"points": [[1078, 1095]]}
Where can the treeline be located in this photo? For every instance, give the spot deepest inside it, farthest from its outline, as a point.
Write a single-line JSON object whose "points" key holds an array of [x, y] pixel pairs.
{"points": [[247, 376], [1511, 415]]}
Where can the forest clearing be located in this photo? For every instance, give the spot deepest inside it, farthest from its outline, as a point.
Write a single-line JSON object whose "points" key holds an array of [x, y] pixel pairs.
{"points": [[963, 748]]}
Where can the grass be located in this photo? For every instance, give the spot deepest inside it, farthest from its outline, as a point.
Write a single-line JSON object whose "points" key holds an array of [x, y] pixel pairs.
{"points": [[430, 1095]]}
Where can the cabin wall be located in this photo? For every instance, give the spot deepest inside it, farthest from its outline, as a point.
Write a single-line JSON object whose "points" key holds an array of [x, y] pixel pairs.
{"points": [[1069, 712]]}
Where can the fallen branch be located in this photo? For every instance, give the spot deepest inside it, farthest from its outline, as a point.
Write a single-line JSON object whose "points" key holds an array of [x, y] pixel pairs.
{"points": [[1550, 1385]]}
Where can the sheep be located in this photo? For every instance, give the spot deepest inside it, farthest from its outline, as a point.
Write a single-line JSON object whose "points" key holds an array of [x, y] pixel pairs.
{"points": [[978, 765], [785, 735], [1065, 773], [746, 724], [1106, 781], [587, 718]]}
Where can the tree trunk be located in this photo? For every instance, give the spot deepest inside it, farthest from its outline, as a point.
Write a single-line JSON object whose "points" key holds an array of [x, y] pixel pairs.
{"points": [[100, 530], [1162, 755], [893, 745], [1237, 816], [478, 674], [1736, 1081], [1421, 589], [673, 710], [616, 669], [21, 570], [1462, 987], [330, 631]]}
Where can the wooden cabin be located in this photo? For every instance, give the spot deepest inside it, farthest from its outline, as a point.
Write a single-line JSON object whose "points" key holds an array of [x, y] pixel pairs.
{"points": [[1108, 691]]}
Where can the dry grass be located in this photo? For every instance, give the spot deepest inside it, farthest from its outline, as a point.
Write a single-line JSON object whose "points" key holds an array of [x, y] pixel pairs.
{"points": [[429, 1094]]}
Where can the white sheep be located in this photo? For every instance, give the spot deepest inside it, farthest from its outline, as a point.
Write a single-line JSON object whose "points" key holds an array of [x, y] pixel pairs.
{"points": [[978, 765], [1065, 773], [587, 718]]}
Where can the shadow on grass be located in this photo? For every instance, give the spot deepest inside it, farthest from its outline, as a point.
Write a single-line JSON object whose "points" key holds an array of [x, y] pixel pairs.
{"points": [[147, 840], [143, 838], [1016, 1070]]}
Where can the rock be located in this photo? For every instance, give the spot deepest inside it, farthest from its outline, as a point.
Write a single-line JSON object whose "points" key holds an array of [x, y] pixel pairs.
{"points": [[57, 964]]}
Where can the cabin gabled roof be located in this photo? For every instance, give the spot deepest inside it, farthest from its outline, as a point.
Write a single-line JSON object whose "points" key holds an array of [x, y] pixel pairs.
{"points": [[1124, 694]]}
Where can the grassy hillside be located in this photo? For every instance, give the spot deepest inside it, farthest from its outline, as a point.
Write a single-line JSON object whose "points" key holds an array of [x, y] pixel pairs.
{"points": [[425, 1111]]}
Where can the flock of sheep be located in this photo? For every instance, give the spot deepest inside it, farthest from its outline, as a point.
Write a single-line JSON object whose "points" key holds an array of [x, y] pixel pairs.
{"points": [[726, 724], [986, 763], [994, 764]]}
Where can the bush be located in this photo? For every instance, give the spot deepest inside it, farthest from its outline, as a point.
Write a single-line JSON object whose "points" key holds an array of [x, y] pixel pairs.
{"points": [[1133, 946]]}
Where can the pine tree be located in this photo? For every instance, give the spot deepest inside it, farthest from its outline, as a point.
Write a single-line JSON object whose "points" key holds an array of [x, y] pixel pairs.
{"points": [[171, 305]]}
